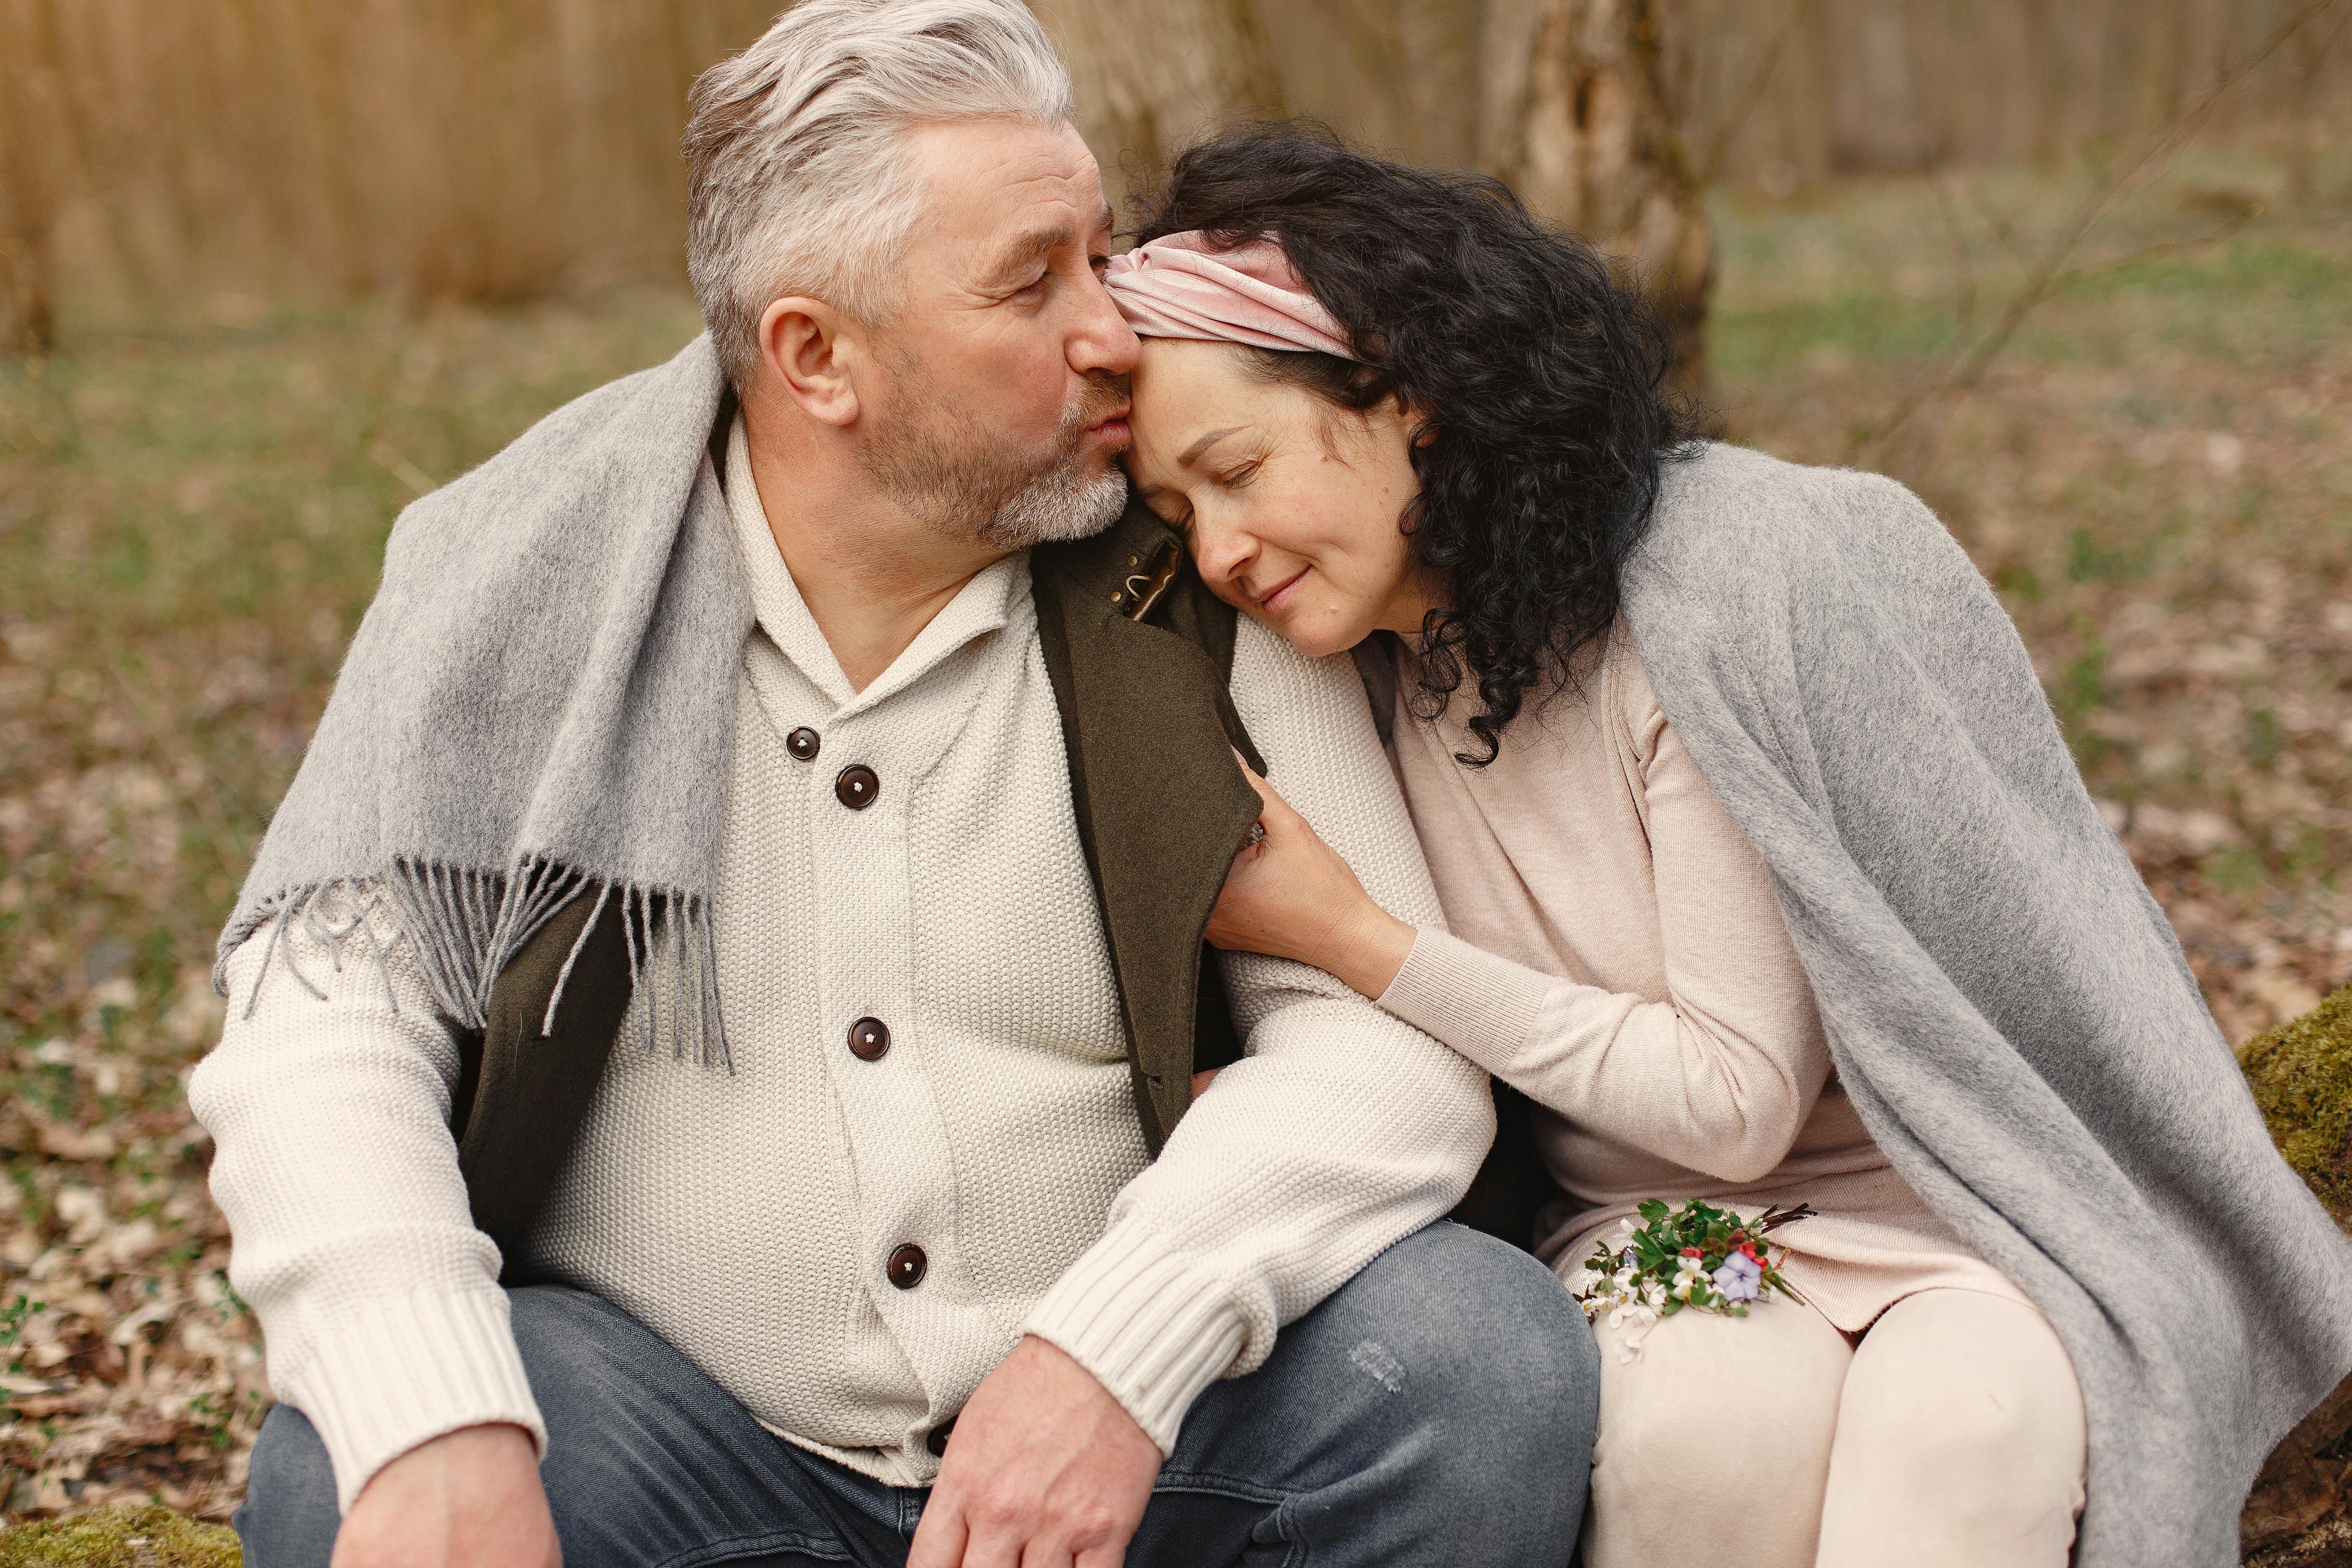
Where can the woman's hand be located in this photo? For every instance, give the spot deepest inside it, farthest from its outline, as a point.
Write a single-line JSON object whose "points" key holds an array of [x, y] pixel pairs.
{"points": [[1290, 896]]}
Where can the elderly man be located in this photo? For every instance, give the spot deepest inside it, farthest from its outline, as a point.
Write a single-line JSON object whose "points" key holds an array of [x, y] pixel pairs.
{"points": [[709, 1076]]}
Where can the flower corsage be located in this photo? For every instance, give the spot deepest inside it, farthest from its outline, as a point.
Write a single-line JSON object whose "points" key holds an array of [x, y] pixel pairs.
{"points": [[1696, 1255]]}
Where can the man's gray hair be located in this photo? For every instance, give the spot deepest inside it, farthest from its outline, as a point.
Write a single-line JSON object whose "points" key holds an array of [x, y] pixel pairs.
{"points": [[796, 150]]}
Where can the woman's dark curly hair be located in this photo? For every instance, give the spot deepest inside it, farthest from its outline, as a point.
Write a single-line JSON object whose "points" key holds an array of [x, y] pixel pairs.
{"points": [[1539, 384]]}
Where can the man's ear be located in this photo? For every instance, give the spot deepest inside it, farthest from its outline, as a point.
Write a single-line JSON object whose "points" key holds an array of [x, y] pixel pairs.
{"points": [[814, 355]]}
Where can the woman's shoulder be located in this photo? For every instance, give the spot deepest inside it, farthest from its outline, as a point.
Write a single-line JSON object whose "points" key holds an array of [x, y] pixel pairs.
{"points": [[1636, 715], [1726, 486], [1736, 526]]}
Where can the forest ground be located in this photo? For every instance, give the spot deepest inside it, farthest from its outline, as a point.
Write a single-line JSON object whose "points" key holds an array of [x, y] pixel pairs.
{"points": [[2157, 475]]}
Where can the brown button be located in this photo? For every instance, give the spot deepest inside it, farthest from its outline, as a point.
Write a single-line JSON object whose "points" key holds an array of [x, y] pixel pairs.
{"points": [[938, 1441], [857, 786], [802, 743], [907, 1266], [869, 1039]]}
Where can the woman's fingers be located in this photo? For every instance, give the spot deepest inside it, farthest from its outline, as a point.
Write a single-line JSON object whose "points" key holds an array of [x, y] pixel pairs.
{"points": [[1265, 790], [1273, 810]]}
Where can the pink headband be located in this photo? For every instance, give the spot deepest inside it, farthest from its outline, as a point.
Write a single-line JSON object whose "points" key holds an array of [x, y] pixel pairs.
{"points": [[1178, 287]]}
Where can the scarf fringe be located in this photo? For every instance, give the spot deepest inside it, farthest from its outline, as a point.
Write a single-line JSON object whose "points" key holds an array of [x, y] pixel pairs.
{"points": [[464, 925]]}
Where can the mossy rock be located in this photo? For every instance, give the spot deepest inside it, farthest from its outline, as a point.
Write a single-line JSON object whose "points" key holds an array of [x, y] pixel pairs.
{"points": [[2301, 1074], [150, 1537]]}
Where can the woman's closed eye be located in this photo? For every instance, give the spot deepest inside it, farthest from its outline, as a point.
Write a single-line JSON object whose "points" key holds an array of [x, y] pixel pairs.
{"points": [[1171, 511]]}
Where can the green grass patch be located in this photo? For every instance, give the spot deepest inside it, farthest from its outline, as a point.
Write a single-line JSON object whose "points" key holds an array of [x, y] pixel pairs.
{"points": [[150, 1537]]}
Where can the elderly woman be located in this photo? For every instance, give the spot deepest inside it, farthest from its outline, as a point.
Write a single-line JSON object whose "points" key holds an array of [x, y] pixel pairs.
{"points": [[1770, 881]]}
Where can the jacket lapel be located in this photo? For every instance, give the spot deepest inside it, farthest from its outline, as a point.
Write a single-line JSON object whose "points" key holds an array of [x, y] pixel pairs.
{"points": [[1150, 728]]}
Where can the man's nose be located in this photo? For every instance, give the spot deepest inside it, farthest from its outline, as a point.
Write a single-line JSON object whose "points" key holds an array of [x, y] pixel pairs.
{"points": [[1103, 341]]}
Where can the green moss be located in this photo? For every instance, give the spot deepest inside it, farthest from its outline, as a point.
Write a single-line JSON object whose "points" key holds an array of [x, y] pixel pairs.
{"points": [[2301, 1078], [150, 1537]]}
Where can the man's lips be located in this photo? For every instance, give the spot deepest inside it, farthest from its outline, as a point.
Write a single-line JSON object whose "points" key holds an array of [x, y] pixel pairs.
{"points": [[1112, 428]]}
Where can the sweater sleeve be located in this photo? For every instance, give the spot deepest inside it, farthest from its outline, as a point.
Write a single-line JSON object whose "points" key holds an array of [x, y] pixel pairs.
{"points": [[327, 1100], [1342, 1130], [1717, 1077]]}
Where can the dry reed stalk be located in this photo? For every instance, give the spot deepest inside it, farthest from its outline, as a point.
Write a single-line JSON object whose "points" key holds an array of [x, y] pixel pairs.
{"points": [[500, 149]]}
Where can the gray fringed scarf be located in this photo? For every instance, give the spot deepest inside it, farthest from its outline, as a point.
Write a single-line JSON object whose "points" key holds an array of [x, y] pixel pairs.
{"points": [[2006, 1005], [539, 705]]}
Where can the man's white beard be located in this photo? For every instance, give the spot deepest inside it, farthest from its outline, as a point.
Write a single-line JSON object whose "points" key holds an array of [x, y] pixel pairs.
{"points": [[959, 479]]}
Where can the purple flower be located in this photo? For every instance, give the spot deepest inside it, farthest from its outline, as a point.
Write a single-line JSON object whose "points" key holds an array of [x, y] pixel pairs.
{"points": [[1739, 1278]]}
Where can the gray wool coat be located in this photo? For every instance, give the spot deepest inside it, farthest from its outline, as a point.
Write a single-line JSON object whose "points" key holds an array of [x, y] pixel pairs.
{"points": [[2006, 1005]]}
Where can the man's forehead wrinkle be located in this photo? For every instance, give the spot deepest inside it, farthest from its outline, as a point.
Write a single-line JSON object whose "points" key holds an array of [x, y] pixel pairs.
{"points": [[985, 171]]}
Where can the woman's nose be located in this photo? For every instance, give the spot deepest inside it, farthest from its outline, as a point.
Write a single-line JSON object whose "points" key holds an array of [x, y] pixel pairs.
{"points": [[1220, 553]]}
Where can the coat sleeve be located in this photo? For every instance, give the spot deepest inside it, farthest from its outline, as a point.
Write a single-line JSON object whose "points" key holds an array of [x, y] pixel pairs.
{"points": [[1342, 1131], [327, 1100]]}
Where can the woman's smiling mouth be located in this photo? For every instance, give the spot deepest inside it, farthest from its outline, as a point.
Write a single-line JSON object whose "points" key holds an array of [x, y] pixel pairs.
{"points": [[1273, 601]]}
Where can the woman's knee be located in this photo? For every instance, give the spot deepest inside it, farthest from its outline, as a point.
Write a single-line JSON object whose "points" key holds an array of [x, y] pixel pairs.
{"points": [[1952, 1384], [1720, 1428], [1736, 1407]]}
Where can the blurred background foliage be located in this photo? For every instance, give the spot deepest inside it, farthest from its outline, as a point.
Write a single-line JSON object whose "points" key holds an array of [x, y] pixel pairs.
{"points": [[503, 151], [2080, 271]]}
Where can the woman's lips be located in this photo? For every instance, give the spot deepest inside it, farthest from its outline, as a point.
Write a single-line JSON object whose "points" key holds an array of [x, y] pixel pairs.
{"points": [[1273, 601]]}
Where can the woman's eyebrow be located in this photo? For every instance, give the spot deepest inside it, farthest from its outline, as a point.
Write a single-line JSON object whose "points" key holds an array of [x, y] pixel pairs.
{"points": [[1185, 460]]}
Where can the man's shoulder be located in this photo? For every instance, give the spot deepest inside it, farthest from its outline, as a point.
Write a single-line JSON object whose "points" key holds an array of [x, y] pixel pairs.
{"points": [[1113, 568]]}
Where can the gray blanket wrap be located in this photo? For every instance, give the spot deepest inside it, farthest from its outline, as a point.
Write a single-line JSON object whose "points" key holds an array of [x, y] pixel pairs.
{"points": [[2006, 1005], [540, 704]]}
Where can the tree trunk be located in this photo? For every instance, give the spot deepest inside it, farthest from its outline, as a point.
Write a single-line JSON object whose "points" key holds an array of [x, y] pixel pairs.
{"points": [[1578, 117], [1150, 77], [27, 192]]}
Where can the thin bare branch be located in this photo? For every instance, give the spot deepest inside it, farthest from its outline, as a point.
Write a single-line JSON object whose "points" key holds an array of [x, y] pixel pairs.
{"points": [[2052, 274], [1710, 169]]}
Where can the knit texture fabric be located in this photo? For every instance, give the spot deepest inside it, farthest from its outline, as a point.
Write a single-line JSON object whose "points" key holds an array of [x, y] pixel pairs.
{"points": [[2006, 1005], [748, 1218]]}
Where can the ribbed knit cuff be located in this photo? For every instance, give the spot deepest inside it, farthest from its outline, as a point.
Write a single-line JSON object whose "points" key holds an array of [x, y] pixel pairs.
{"points": [[401, 1370], [1482, 1005], [1153, 1328]]}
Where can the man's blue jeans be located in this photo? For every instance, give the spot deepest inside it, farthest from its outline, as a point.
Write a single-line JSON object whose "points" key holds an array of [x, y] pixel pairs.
{"points": [[1439, 1408]]}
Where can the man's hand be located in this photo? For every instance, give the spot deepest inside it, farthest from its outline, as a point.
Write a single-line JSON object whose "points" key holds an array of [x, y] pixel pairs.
{"points": [[468, 1499], [1044, 1469]]}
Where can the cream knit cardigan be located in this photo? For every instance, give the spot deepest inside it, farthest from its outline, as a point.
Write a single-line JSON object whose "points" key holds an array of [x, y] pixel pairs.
{"points": [[744, 1217]]}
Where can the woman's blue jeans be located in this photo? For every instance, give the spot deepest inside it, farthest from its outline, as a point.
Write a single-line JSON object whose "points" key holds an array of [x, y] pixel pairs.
{"points": [[1438, 1408]]}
